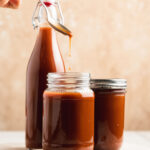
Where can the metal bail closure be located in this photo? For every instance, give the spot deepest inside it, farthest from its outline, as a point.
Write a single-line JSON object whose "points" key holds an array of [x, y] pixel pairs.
{"points": [[54, 22]]}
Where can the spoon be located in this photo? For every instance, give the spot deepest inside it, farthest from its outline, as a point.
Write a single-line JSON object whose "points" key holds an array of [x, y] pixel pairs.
{"points": [[55, 24]]}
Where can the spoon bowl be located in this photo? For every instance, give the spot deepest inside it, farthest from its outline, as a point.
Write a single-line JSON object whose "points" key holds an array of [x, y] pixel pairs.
{"points": [[59, 27], [55, 24]]}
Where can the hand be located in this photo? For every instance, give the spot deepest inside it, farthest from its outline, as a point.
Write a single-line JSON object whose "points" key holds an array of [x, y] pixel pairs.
{"points": [[10, 3]]}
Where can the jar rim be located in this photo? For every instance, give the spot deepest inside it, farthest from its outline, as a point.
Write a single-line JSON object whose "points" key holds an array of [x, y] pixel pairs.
{"points": [[68, 75], [68, 79], [114, 83]]}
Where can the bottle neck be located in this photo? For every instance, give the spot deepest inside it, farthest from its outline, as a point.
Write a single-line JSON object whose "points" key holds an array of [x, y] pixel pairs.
{"points": [[52, 11]]}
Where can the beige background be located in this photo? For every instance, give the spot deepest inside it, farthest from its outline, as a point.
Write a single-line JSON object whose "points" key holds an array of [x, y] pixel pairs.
{"points": [[111, 39]]}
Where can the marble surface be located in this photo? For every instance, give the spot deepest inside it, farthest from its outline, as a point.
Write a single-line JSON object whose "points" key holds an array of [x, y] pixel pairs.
{"points": [[132, 141]]}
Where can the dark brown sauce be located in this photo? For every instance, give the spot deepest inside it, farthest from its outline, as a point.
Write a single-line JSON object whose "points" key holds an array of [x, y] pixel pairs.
{"points": [[45, 58], [109, 119], [68, 121]]}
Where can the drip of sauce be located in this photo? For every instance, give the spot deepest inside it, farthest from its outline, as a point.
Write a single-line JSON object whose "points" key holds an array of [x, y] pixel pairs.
{"points": [[69, 54], [70, 37], [69, 68]]}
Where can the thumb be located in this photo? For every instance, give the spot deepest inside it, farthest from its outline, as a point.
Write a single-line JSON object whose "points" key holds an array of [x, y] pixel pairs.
{"points": [[3, 2], [13, 4]]}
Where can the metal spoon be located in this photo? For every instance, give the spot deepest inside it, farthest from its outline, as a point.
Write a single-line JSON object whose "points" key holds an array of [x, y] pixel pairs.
{"points": [[55, 24]]}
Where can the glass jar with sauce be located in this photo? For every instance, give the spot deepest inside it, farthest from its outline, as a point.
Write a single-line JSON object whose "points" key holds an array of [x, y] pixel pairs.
{"points": [[68, 112], [109, 113]]}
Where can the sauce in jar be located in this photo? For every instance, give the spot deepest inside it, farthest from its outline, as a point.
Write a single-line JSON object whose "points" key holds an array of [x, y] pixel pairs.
{"points": [[109, 113], [68, 116]]}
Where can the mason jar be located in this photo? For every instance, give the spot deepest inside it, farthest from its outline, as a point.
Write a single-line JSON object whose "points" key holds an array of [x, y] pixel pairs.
{"points": [[109, 112], [68, 112]]}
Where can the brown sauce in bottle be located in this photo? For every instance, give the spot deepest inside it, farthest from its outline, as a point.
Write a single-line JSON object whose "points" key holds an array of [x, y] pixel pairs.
{"points": [[45, 58], [68, 121]]}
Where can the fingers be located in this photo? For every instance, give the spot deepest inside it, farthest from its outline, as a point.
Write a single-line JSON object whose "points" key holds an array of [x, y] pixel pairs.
{"points": [[10, 3], [3, 3], [13, 4]]}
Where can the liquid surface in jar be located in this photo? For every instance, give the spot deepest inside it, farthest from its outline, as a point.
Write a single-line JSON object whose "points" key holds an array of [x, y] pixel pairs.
{"points": [[68, 121], [109, 119], [45, 58]]}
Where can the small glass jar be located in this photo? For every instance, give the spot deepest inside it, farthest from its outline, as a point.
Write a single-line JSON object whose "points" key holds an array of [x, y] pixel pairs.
{"points": [[68, 112], [109, 113]]}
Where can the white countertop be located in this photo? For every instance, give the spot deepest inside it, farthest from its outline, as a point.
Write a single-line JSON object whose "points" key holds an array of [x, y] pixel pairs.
{"points": [[132, 141]]}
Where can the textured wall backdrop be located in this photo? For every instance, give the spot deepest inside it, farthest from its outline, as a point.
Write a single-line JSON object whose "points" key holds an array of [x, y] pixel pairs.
{"points": [[111, 40]]}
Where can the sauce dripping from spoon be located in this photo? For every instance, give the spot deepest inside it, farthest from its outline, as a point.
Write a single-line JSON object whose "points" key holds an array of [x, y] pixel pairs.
{"points": [[69, 54]]}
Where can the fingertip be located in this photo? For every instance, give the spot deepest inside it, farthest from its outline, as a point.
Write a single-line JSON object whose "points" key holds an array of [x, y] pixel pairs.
{"points": [[14, 4]]}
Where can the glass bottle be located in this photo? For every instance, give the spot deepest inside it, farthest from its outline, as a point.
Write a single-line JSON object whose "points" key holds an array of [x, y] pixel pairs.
{"points": [[46, 57]]}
